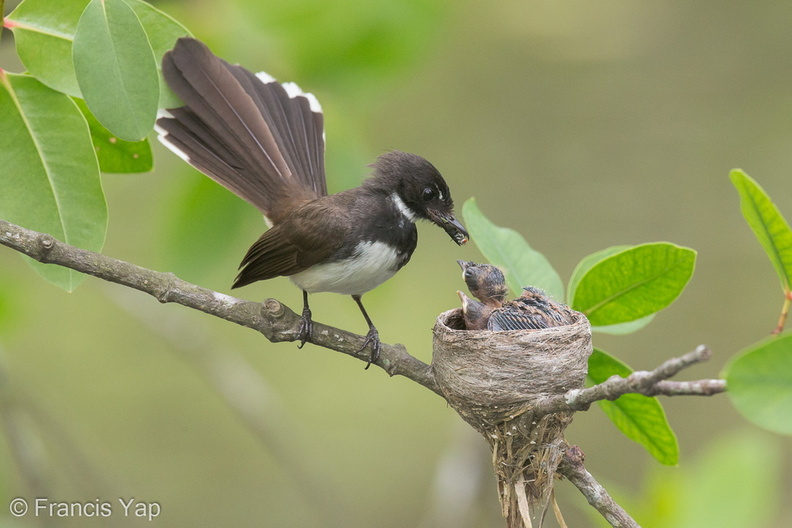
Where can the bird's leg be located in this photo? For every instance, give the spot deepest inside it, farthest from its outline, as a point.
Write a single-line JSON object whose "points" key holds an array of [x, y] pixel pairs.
{"points": [[306, 326], [372, 337]]}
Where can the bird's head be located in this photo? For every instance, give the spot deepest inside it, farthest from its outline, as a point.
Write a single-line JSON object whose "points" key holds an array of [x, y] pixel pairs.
{"points": [[485, 282], [420, 191], [475, 313]]}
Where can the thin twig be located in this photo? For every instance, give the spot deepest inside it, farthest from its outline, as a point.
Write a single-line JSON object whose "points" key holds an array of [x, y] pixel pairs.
{"points": [[572, 468], [276, 321], [648, 383], [702, 387]]}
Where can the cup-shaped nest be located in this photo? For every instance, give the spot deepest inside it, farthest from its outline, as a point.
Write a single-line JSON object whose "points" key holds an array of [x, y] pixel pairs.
{"points": [[489, 377], [492, 379]]}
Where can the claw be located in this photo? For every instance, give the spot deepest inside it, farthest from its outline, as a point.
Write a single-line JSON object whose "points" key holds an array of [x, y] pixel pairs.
{"points": [[306, 326], [372, 338]]}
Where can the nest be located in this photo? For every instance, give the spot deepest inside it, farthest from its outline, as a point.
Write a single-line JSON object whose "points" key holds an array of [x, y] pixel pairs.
{"points": [[492, 380]]}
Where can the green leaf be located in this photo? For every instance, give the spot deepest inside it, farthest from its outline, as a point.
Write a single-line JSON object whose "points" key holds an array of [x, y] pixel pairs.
{"points": [[588, 262], [629, 284], [624, 328], [43, 34], [768, 224], [13, 314], [639, 417], [116, 155], [506, 248], [116, 69], [162, 31], [760, 383], [50, 177], [5, 311], [584, 266]]}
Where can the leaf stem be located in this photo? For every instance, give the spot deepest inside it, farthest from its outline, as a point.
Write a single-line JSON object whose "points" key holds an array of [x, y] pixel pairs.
{"points": [[784, 312]]}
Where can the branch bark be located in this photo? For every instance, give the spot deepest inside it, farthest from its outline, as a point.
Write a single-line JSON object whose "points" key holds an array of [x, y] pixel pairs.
{"points": [[572, 468], [276, 321], [648, 383]]}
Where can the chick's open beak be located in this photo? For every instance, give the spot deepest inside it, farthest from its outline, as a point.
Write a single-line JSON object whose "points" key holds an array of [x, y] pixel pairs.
{"points": [[464, 298]]}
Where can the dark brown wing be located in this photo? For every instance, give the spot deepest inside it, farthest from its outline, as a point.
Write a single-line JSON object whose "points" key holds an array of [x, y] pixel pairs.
{"points": [[560, 314], [292, 246], [260, 140], [512, 318]]}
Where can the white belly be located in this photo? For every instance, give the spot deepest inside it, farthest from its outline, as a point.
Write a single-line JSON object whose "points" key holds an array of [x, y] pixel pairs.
{"points": [[372, 264]]}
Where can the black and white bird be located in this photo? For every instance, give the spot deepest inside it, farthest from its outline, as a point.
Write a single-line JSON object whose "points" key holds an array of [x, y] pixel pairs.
{"points": [[532, 310], [264, 141]]}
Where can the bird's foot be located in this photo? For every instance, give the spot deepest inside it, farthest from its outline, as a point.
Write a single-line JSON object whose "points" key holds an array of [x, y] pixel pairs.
{"points": [[306, 327], [372, 338]]}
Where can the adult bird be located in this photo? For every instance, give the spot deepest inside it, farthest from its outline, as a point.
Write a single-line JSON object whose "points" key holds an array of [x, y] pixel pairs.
{"points": [[264, 141]]}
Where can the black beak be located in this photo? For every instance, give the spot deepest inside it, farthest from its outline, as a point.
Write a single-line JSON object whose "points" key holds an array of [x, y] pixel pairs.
{"points": [[450, 225]]}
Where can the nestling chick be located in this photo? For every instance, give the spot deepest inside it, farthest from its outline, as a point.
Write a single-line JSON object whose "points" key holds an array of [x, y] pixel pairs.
{"points": [[485, 282], [557, 314], [475, 313], [533, 310]]}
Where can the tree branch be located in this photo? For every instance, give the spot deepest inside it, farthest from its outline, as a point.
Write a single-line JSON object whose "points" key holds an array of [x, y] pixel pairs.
{"points": [[648, 383], [702, 387], [572, 468], [276, 321]]}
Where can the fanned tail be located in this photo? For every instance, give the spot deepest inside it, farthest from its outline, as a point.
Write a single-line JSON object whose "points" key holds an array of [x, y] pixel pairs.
{"points": [[262, 140]]}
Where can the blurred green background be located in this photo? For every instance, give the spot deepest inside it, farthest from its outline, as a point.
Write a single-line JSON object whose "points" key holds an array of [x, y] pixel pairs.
{"points": [[582, 125]]}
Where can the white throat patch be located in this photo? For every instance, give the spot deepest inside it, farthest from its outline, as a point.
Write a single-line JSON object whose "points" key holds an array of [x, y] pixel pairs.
{"points": [[408, 213]]}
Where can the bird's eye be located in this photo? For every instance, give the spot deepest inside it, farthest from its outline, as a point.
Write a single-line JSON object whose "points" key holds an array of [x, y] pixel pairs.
{"points": [[428, 194]]}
